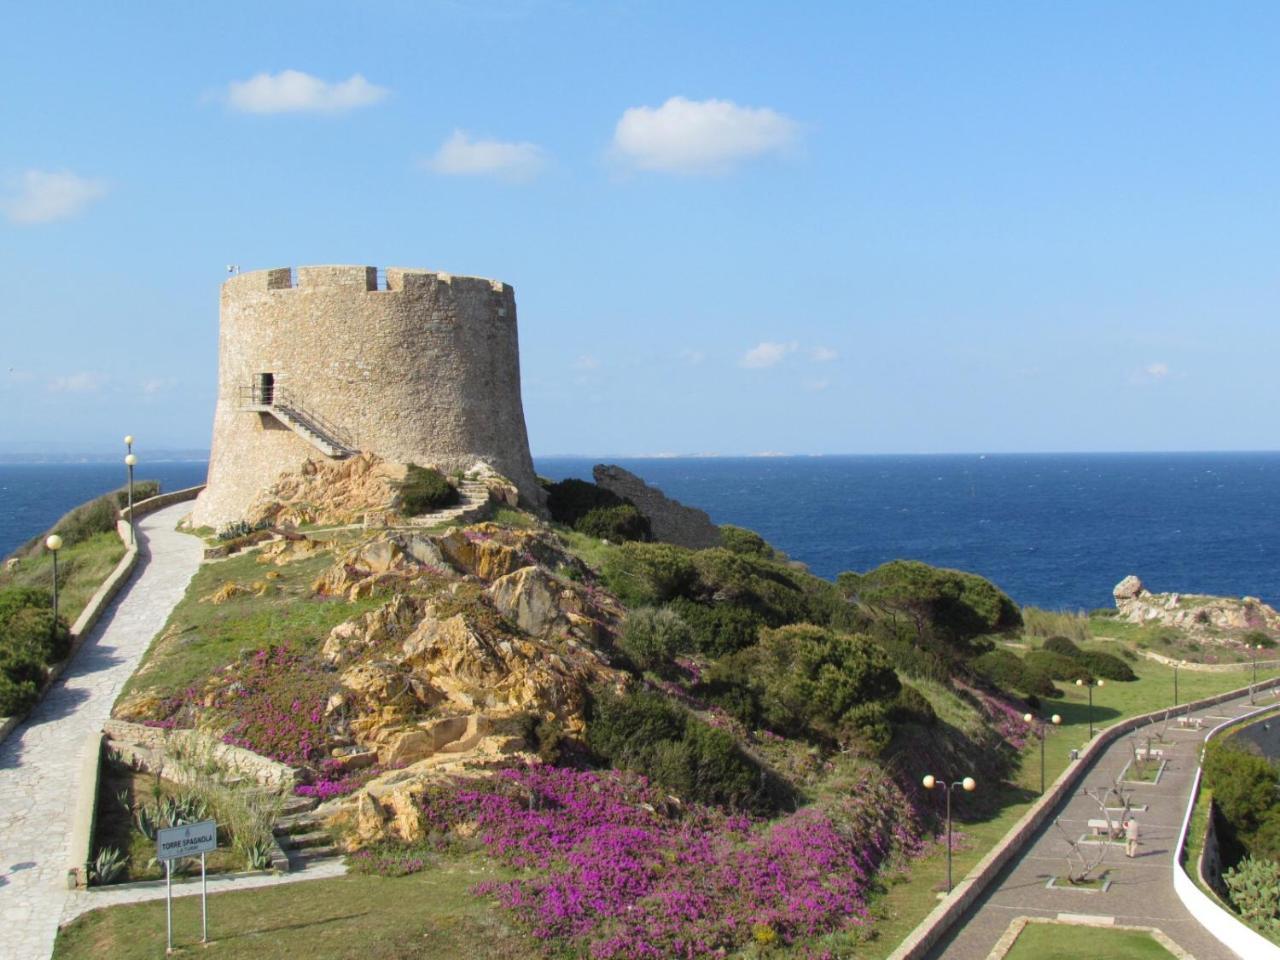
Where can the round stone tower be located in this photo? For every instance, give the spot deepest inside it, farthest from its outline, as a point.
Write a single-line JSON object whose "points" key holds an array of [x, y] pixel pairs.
{"points": [[416, 367]]}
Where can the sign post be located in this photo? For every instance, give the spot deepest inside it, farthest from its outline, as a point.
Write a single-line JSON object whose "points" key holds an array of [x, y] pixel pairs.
{"points": [[174, 843]]}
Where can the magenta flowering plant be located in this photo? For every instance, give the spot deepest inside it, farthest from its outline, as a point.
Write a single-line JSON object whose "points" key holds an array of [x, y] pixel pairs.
{"points": [[617, 869], [1005, 715]]}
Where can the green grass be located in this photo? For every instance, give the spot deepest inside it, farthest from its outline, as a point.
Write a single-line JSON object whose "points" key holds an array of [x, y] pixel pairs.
{"points": [[432, 915], [202, 637], [81, 570], [1055, 941]]}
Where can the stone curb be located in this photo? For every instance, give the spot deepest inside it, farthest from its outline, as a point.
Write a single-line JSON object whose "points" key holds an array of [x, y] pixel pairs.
{"points": [[931, 929], [1221, 923]]}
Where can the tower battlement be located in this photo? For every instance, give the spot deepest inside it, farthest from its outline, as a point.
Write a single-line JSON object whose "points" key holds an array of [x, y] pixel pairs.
{"points": [[359, 279]]}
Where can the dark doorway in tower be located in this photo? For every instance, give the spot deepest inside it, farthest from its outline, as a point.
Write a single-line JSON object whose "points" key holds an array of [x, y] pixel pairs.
{"points": [[264, 389]]}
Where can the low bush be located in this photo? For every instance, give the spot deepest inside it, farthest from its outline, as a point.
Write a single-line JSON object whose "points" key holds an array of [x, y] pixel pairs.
{"points": [[1058, 667], [425, 489], [719, 628], [31, 641], [742, 540], [912, 706], [1104, 665], [570, 500], [1254, 887], [1259, 638], [142, 490], [645, 732], [96, 516], [1011, 673], [641, 574], [651, 638], [616, 524]]}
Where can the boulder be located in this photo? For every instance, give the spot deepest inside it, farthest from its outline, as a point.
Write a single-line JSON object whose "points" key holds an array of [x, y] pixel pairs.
{"points": [[384, 627], [1128, 588], [329, 492]]}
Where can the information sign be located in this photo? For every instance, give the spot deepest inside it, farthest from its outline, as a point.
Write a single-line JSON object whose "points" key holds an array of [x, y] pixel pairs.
{"points": [[188, 840]]}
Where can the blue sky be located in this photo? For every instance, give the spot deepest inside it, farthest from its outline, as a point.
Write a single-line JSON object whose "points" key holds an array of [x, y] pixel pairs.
{"points": [[732, 227]]}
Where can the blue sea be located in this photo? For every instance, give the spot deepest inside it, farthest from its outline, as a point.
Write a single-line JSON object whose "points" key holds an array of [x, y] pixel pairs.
{"points": [[1054, 530]]}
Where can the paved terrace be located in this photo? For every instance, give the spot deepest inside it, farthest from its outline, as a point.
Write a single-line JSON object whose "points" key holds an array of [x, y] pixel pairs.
{"points": [[1141, 893], [40, 760]]}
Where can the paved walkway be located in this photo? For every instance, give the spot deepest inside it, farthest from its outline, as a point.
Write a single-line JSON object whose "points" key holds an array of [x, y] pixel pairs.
{"points": [[40, 760], [1142, 890]]}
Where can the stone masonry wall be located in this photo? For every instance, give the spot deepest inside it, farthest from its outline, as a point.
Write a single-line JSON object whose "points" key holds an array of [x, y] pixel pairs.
{"points": [[425, 371]]}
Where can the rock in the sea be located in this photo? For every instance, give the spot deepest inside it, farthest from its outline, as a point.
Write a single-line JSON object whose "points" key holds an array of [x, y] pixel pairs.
{"points": [[1128, 588], [670, 520]]}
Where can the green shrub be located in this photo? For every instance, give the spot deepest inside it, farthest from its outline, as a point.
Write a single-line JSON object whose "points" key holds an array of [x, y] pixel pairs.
{"points": [[96, 516], [649, 573], [142, 490], [34, 630], [919, 662], [1244, 785], [1050, 623], [425, 489], [570, 500], [1259, 638], [646, 732], [1057, 667], [719, 628], [742, 540], [16, 697], [651, 638], [1010, 672], [617, 523], [950, 604], [14, 599], [1105, 665], [811, 682]]}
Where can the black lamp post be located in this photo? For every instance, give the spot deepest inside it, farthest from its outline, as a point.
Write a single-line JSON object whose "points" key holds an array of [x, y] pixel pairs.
{"points": [[1180, 663], [1254, 649], [54, 543], [1042, 733], [129, 461], [968, 784], [1091, 684]]}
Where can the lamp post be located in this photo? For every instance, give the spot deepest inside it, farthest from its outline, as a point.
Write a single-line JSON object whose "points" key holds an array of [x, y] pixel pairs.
{"points": [[1043, 733], [1180, 663], [1254, 649], [128, 443], [129, 462], [53, 543], [968, 784], [1091, 684]]}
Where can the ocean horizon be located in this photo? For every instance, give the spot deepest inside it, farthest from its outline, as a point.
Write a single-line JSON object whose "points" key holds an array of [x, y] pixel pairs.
{"points": [[1054, 530]]}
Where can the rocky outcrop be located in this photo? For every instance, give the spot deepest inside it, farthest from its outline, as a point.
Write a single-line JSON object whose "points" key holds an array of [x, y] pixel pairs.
{"points": [[669, 520], [386, 560], [1193, 612], [329, 492]]}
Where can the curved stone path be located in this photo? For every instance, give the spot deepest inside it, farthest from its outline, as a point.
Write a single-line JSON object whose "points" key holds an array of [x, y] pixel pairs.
{"points": [[40, 760], [1142, 890]]}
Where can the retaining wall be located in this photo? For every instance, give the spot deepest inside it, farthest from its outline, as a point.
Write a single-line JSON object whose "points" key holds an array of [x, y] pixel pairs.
{"points": [[1222, 923], [967, 891]]}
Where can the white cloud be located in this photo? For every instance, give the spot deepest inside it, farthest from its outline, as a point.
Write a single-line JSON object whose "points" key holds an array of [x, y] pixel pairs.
{"points": [[823, 355], [692, 357], [586, 362], [158, 385], [83, 382], [41, 196], [699, 136], [766, 354], [1157, 370], [817, 386], [462, 156], [292, 91]]}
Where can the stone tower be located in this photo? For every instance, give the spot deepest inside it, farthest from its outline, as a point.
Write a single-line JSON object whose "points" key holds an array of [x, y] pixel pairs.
{"points": [[415, 367]]}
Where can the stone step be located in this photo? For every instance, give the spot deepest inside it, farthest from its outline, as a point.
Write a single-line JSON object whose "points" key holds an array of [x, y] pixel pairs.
{"points": [[317, 839], [298, 823], [295, 805], [298, 858]]}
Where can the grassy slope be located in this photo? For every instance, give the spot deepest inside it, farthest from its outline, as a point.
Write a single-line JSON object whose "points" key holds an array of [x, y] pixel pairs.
{"points": [[202, 637], [81, 570], [427, 916], [1051, 941]]}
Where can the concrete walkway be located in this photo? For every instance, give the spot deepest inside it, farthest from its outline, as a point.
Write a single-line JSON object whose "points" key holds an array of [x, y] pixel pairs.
{"points": [[1142, 890], [39, 761]]}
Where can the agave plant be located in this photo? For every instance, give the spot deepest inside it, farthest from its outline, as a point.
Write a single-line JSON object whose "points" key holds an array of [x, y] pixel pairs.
{"points": [[107, 866]]}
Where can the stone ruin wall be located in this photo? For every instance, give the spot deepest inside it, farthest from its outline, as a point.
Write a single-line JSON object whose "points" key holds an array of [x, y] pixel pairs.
{"points": [[425, 369]]}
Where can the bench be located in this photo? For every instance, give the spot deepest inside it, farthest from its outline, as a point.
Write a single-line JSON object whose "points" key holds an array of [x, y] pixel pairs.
{"points": [[1101, 828], [1185, 721], [1146, 754]]}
